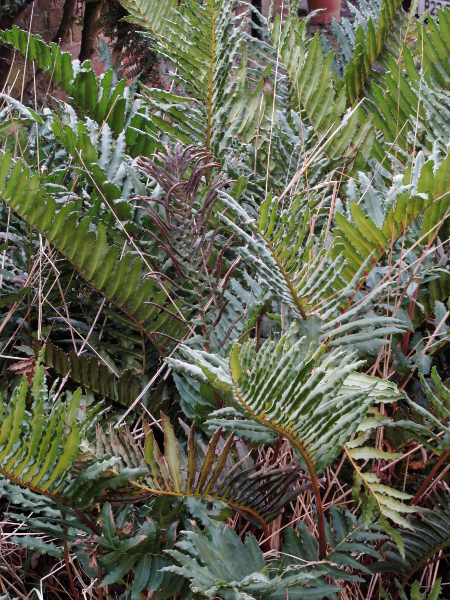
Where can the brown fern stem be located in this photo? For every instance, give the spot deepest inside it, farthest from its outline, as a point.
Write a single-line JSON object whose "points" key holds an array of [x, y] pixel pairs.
{"points": [[67, 563], [312, 474], [99, 582], [210, 96], [428, 480]]}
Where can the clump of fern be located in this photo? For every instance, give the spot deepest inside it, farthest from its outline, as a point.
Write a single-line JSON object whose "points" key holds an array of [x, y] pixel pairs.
{"points": [[225, 310]]}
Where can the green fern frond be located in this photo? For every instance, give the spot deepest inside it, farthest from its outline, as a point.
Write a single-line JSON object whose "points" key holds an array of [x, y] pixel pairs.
{"points": [[293, 388], [91, 374], [206, 559], [309, 279], [411, 106], [119, 279]]}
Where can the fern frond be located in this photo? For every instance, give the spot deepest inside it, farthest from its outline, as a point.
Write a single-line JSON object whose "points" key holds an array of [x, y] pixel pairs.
{"points": [[119, 279], [201, 41], [309, 279], [306, 85], [91, 373], [368, 46], [204, 472], [292, 387], [346, 536], [425, 537], [206, 559], [422, 96]]}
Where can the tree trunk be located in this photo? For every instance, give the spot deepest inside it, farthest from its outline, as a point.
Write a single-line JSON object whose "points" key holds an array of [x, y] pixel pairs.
{"points": [[66, 23], [91, 28]]}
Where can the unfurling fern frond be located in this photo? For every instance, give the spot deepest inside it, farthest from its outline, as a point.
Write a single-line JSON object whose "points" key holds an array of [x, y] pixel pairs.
{"points": [[185, 231]]}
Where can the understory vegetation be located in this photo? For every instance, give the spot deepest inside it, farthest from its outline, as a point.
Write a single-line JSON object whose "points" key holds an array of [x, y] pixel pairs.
{"points": [[224, 334]]}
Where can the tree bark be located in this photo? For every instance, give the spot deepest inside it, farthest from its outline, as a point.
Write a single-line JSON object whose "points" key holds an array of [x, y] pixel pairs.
{"points": [[66, 22], [91, 28]]}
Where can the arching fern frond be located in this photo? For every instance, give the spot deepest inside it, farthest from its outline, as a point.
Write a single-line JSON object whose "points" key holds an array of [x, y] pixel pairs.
{"points": [[118, 278], [369, 44], [427, 536], [91, 374], [212, 473], [292, 387], [303, 274], [44, 452]]}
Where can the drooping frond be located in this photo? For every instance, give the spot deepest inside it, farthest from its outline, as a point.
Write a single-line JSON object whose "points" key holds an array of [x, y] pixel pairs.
{"points": [[118, 278], [103, 99], [208, 472], [294, 388], [48, 57], [427, 536], [91, 374]]}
